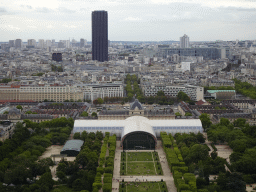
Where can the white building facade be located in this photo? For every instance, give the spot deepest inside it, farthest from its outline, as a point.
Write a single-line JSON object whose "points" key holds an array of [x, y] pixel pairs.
{"points": [[194, 92], [94, 91]]}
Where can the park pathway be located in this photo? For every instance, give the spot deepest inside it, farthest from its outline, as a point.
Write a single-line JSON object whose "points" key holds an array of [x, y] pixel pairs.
{"points": [[167, 176]]}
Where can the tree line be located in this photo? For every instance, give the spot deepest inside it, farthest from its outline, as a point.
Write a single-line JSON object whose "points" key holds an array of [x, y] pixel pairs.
{"points": [[18, 155]]}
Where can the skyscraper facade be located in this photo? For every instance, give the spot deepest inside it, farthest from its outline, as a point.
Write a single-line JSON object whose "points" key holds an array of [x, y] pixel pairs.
{"points": [[184, 41], [81, 42], [18, 43], [100, 35]]}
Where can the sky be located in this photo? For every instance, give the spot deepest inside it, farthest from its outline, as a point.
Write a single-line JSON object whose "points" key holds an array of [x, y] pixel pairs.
{"points": [[129, 20]]}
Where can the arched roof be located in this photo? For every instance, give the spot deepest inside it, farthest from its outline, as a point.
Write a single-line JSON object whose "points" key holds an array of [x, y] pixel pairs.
{"points": [[137, 123]]}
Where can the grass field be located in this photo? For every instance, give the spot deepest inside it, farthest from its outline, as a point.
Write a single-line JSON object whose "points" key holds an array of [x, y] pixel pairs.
{"points": [[139, 156], [142, 186], [140, 163]]}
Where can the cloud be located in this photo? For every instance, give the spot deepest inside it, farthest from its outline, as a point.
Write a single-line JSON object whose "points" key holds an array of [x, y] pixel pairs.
{"points": [[26, 6], [132, 19], [12, 27], [65, 10], [71, 26], [43, 10], [2, 10], [33, 27]]}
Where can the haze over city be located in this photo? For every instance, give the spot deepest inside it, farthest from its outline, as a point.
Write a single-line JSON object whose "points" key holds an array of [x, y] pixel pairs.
{"points": [[140, 20]]}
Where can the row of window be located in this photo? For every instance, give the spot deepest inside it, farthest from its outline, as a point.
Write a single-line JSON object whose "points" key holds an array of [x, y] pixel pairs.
{"points": [[120, 128], [186, 128]]}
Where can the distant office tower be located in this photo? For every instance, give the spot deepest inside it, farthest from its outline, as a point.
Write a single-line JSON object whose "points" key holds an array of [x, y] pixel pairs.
{"points": [[61, 44], [53, 42], [5, 47], [41, 43], [184, 41], [31, 42], [48, 43], [81, 42], [18, 43], [11, 43], [100, 36], [57, 57]]}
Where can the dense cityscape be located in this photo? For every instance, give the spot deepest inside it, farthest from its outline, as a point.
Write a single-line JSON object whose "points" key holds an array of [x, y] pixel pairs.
{"points": [[103, 115]]}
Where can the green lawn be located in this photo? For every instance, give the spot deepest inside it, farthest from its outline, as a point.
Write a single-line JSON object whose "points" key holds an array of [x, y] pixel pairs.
{"points": [[139, 156], [143, 186], [140, 163]]}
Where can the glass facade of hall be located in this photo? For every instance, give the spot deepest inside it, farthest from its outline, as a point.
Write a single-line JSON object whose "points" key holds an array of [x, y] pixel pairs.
{"points": [[118, 130]]}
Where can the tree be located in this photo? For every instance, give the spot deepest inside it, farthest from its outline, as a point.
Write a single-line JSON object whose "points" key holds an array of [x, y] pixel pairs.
{"points": [[240, 122], [99, 135], [95, 102], [100, 101], [19, 107], [46, 182], [5, 80], [178, 114], [160, 93], [84, 135], [235, 182], [224, 121], [84, 114], [196, 153], [6, 113], [183, 96], [77, 135], [91, 135], [94, 114], [82, 158], [206, 121], [188, 114]]}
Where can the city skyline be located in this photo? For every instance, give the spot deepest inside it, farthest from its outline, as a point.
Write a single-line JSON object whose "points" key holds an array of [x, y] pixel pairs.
{"points": [[147, 20]]}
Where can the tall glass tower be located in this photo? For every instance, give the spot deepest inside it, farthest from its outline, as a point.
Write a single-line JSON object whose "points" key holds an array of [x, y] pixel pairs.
{"points": [[100, 35]]}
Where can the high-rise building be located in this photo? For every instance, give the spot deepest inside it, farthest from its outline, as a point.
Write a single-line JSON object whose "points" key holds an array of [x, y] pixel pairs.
{"points": [[41, 43], [53, 42], [18, 43], [57, 57], [81, 42], [12, 43], [48, 43], [100, 36], [31, 42], [184, 41]]}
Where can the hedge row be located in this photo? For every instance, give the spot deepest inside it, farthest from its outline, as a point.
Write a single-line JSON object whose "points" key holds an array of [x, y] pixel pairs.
{"points": [[109, 164], [166, 140], [97, 185], [184, 181], [213, 146]]}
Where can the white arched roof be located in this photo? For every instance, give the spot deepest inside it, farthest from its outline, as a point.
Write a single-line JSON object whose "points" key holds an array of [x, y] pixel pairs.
{"points": [[137, 123]]}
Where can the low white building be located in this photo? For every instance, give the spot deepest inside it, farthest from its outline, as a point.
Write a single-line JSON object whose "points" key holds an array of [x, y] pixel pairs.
{"points": [[137, 131], [194, 92], [94, 91]]}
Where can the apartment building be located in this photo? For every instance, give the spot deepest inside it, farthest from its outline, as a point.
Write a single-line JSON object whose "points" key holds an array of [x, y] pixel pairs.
{"points": [[194, 92], [40, 93], [93, 91]]}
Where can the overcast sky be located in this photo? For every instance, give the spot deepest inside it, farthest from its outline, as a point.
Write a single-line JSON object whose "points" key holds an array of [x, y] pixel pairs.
{"points": [[129, 20]]}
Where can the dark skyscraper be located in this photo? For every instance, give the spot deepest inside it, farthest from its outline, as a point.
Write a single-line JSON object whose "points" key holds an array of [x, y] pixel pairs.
{"points": [[100, 35]]}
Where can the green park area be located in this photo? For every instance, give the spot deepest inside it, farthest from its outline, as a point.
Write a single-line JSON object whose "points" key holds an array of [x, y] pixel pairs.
{"points": [[142, 186], [140, 163]]}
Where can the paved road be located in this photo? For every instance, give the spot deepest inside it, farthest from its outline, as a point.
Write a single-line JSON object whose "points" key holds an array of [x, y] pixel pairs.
{"points": [[167, 176]]}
